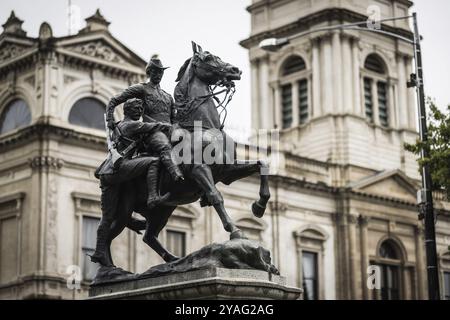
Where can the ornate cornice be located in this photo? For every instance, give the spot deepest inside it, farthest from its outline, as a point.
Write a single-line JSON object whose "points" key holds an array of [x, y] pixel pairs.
{"points": [[305, 23], [41, 131]]}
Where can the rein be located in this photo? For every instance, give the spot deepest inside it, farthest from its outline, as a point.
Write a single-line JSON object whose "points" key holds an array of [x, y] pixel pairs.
{"points": [[229, 92]]}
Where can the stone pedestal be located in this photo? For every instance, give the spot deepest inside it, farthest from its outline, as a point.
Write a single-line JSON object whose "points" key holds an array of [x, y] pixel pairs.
{"points": [[211, 283]]}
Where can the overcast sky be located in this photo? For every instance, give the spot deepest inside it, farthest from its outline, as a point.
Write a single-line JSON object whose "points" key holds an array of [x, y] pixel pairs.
{"points": [[167, 27]]}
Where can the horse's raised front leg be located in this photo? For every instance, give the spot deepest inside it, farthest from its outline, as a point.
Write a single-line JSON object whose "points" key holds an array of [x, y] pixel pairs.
{"points": [[245, 168], [201, 173], [156, 220]]}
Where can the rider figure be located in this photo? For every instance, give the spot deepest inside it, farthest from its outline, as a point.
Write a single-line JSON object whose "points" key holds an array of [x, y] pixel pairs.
{"points": [[131, 167], [158, 106]]}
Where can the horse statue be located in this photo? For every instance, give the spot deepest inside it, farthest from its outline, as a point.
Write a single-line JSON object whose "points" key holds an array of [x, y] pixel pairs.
{"points": [[197, 110]]}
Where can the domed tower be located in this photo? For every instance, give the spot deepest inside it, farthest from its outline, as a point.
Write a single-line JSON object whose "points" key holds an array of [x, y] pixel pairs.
{"points": [[338, 96]]}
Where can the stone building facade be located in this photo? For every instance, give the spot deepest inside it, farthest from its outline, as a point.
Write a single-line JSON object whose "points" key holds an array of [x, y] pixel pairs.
{"points": [[343, 190]]}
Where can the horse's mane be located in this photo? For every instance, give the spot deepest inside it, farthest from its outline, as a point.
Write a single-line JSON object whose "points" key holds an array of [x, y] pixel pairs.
{"points": [[183, 69]]}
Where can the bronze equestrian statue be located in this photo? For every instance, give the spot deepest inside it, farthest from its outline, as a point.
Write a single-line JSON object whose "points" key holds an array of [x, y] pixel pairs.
{"points": [[196, 112]]}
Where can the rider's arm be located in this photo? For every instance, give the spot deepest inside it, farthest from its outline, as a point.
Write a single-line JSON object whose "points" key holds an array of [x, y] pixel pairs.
{"points": [[135, 91], [138, 127]]}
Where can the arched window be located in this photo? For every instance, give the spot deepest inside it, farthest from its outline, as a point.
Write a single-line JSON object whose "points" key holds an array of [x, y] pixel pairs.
{"points": [[390, 264], [89, 113], [15, 115], [292, 65], [294, 92], [376, 90]]}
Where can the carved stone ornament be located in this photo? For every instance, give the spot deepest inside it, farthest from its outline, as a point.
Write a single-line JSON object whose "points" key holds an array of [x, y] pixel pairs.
{"points": [[10, 50], [98, 49]]}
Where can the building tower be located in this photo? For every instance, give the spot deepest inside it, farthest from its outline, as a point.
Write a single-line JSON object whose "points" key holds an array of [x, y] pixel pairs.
{"points": [[337, 96]]}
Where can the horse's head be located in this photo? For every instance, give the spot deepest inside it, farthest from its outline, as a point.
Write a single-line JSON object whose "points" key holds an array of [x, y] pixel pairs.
{"points": [[211, 69]]}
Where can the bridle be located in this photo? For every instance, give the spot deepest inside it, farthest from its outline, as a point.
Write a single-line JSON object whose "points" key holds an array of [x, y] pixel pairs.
{"points": [[229, 89]]}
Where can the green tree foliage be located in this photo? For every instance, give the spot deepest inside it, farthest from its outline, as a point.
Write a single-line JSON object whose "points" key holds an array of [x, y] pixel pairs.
{"points": [[438, 145]]}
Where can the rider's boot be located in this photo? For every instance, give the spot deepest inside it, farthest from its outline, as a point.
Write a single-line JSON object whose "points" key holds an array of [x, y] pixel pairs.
{"points": [[100, 254], [153, 198], [172, 167]]}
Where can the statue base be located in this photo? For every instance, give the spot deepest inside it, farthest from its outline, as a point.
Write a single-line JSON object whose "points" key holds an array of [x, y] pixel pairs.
{"points": [[210, 283]]}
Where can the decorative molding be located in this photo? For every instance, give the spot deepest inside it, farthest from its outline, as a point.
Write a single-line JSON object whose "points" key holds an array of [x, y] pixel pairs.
{"points": [[97, 49], [352, 219], [277, 206], [69, 79], [10, 51], [87, 202], [305, 23], [364, 220], [11, 205], [46, 162], [43, 130], [31, 80]]}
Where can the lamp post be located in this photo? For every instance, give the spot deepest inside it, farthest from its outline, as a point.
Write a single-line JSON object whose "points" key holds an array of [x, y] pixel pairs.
{"points": [[424, 196]]}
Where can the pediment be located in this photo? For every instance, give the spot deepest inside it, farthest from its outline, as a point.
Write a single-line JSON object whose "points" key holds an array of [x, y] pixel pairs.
{"points": [[102, 48], [10, 49], [391, 184]]}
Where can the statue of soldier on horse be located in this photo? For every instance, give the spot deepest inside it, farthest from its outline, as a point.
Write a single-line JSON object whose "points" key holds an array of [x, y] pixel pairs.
{"points": [[143, 172]]}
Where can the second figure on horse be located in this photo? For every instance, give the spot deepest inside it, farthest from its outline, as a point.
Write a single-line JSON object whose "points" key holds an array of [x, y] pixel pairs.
{"points": [[158, 107]]}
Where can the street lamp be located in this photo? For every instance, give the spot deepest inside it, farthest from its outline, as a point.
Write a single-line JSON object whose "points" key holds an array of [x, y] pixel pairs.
{"points": [[424, 198]]}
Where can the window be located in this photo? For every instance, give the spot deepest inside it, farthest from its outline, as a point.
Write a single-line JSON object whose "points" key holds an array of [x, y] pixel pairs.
{"points": [[390, 271], [292, 65], [310, 275], [10, 226], [294, 92], [375, 83], [89, 113], [374, 63], [15, 115], [368, 98], [447, 285], [89, 236], [286, 97], [303, 101], [176, 242], [382, 103], [310, 247]]}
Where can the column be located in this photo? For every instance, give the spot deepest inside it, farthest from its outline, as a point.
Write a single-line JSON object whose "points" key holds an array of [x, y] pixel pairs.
{"points": [[327, 76], [363, 222], [392, 106], [256, 110], [295, 104], [412, 105], [402, 94], [316, 106], [337, 72], [265, 114], [420, 259], [353, 276], [375, 113], [277, 104], [356, 79], [347, 75]]}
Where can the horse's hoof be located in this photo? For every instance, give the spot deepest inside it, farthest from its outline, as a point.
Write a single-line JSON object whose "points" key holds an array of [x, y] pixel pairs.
{"points": [[170, 258], [258, 210], [238, 234], [101, 259]]}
